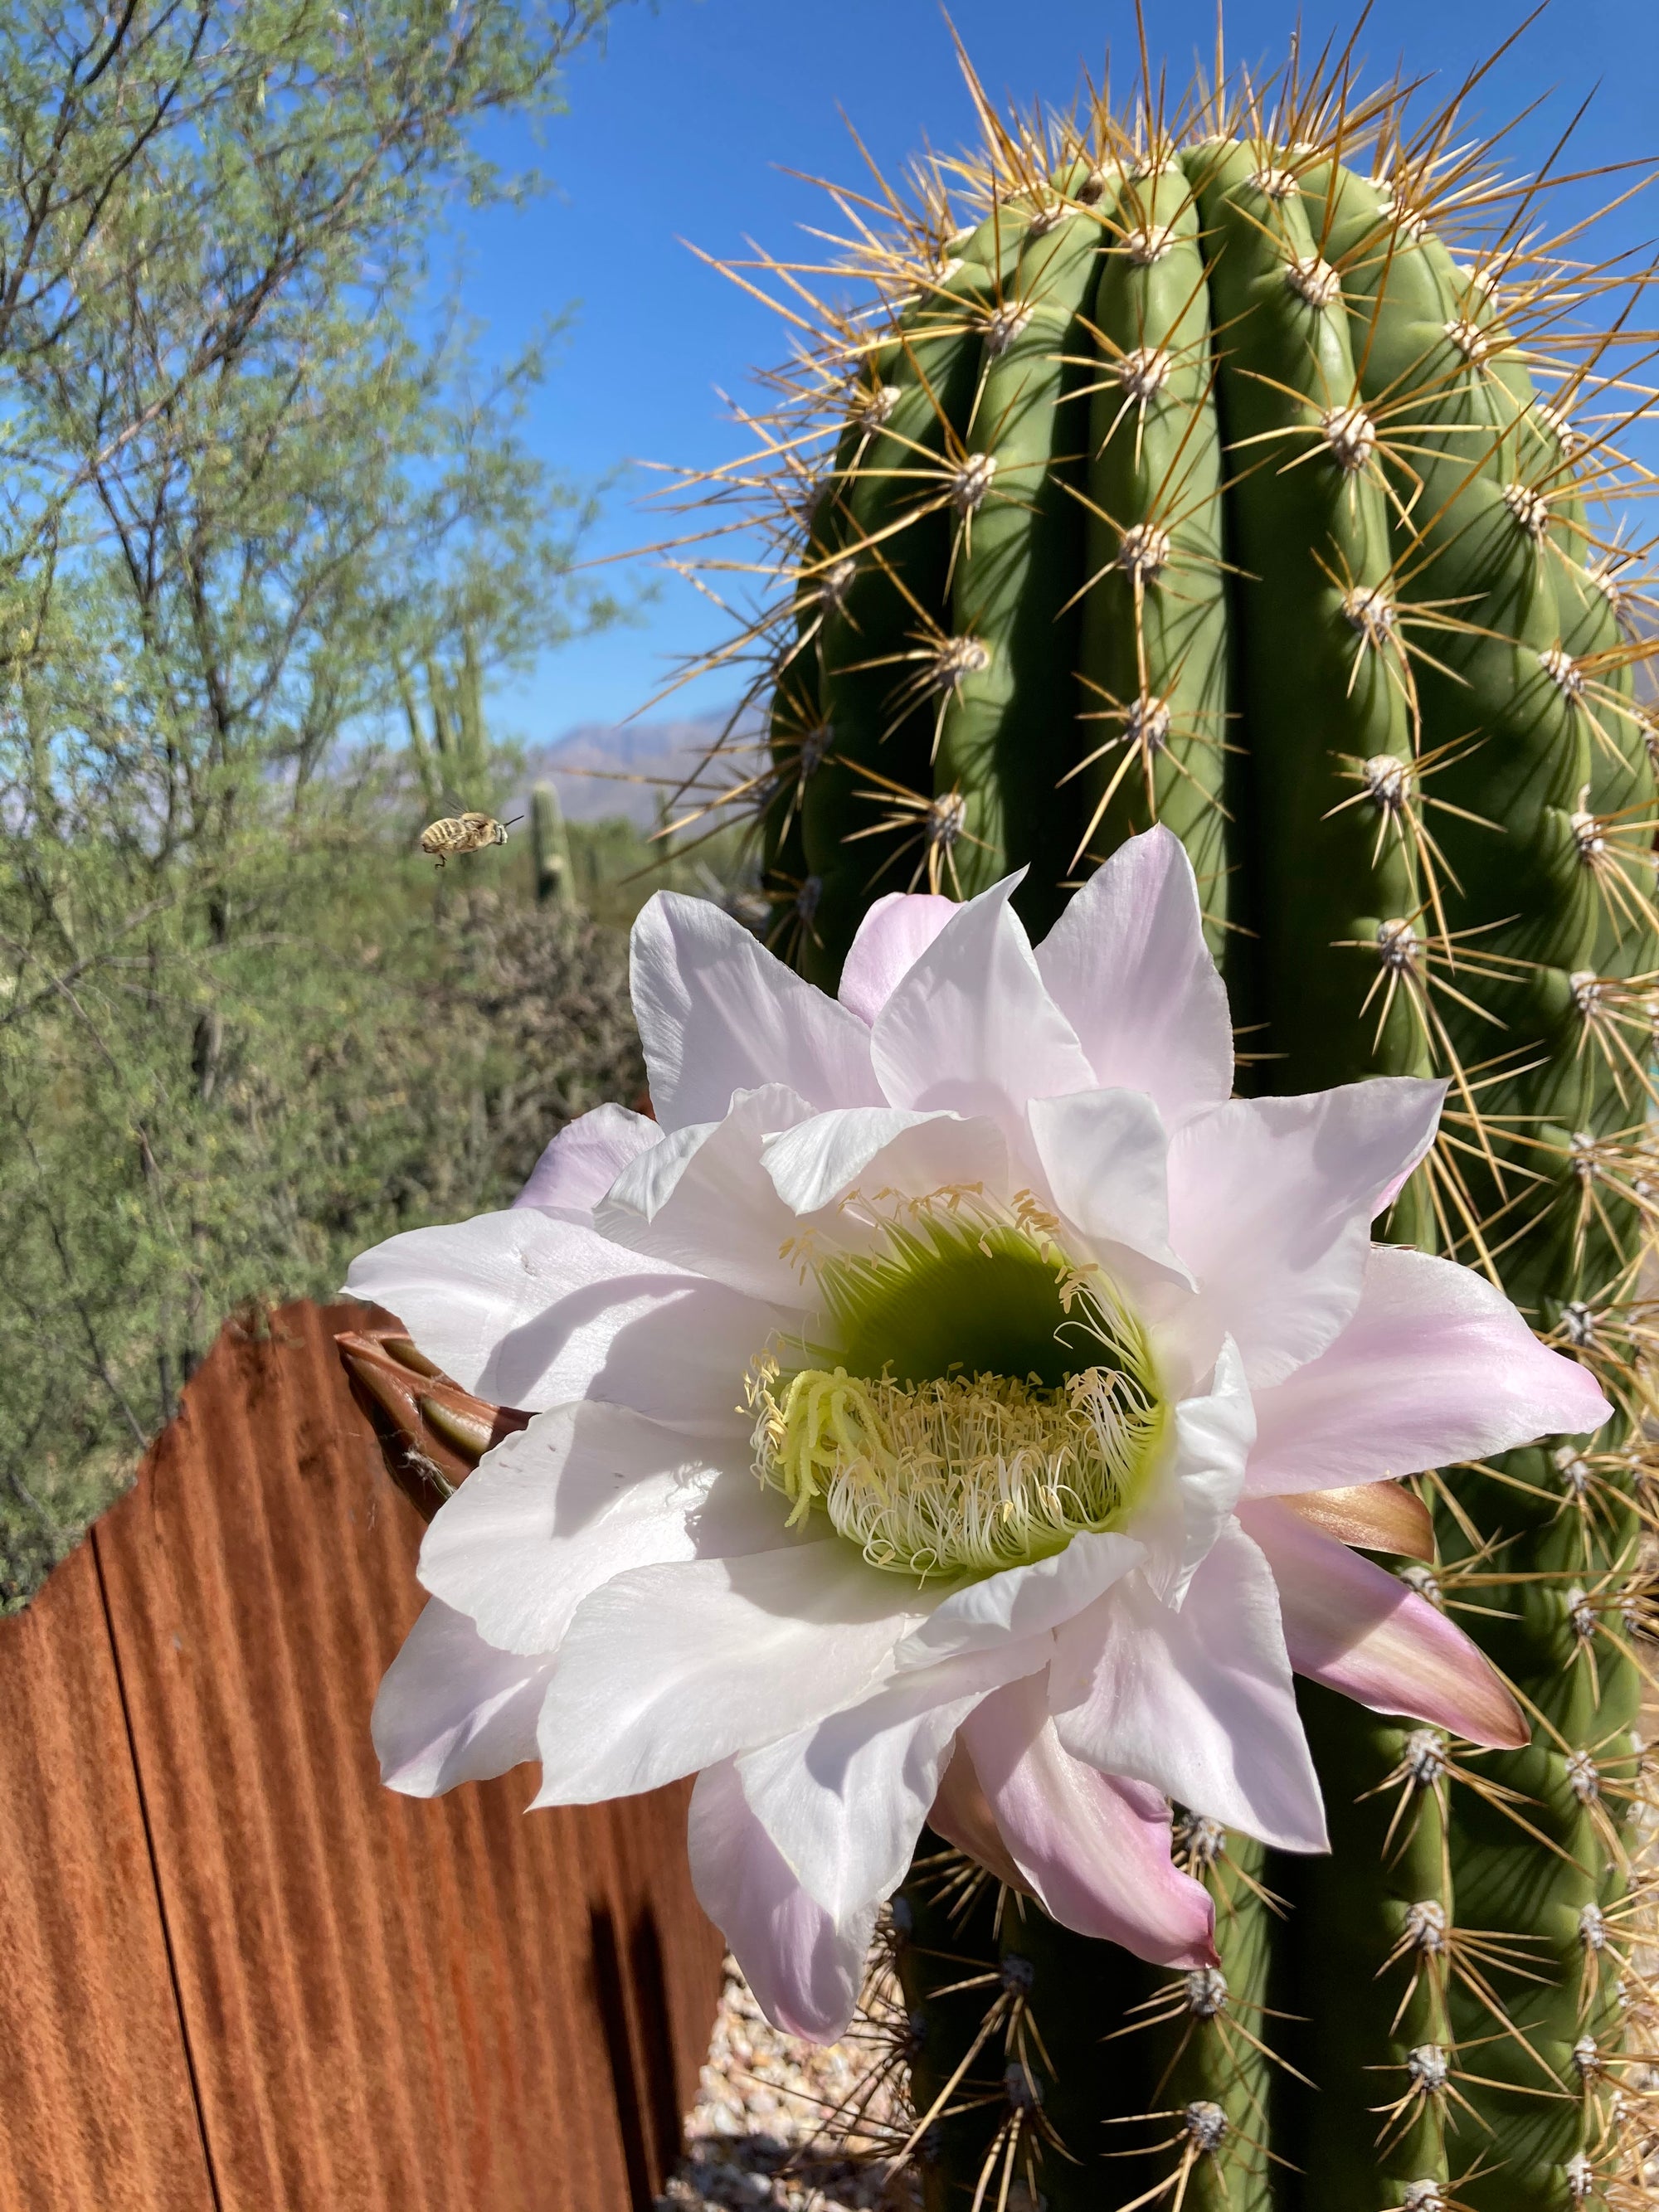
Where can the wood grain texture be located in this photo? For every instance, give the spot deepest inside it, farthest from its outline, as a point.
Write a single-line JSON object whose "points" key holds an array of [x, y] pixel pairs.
{"points": [[376, 2003]]}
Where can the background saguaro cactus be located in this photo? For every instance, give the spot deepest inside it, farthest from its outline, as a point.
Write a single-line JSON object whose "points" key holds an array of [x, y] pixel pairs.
{"points": [[1259, 465], [453, 760], [550, 849]]}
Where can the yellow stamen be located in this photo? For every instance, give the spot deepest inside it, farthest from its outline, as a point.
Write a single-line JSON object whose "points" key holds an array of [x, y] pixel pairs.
{"points": [[962, 1475]]}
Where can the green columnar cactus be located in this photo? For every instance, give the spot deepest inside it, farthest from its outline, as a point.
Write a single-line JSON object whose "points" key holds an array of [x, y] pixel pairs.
{"points": [[454, 761], [1252, 473], [550, 849]]}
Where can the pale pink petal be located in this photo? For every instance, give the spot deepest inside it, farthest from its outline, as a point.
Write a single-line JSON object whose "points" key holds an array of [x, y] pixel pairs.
{"points": [[1377, 1517], [885, 1147], [892, 937], [1435, 1367], [586, 1157], [718, 1014], [1357, 1629], [804, 1970], [1127, 966], [1105, 1154], [1197, 1703], [452, 1709], [845, 1800], [1094, 1850], [970, 1029], [586, 1492], [529, 1311], [960, 1812], [668, 1669], [700, 1200], [1021, 1601], [1270, 1200]]}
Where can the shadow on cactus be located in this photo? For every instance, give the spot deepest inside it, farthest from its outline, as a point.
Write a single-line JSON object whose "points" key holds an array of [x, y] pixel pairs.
{"points": [[1255, 464]]}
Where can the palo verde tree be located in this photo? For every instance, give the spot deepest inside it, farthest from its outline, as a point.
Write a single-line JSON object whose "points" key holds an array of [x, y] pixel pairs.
{"points": [[247, 475]]}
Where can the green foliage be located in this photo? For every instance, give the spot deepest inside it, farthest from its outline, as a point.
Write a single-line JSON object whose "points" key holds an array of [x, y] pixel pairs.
{"points": [[191, 1128], [1193, 479], [246, 507]]}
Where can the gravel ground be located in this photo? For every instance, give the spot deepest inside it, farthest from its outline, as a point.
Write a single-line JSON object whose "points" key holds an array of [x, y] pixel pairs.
{"points": [[791, 2124]]}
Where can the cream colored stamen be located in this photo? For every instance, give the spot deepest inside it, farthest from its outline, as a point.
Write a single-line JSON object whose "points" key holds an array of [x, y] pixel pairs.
{"points": [[961, 1475]]}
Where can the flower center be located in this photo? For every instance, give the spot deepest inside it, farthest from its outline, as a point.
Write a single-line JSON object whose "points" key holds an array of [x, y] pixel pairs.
{"points": [[983, 1400]]}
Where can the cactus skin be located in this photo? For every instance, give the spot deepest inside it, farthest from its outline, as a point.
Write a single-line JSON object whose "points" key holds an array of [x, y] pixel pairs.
{"points": [[875, 681], [1282, 547], [1149, 652]]}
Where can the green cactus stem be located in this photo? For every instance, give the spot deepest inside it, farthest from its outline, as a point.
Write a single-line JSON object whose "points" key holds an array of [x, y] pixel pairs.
{"points": [[1243, 467]]}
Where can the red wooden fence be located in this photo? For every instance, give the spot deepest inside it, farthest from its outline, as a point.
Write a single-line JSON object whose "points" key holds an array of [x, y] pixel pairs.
{"points": [[237, 1975]]}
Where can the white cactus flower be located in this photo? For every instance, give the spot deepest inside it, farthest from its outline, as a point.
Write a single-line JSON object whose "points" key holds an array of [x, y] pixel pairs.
{"points": [[937, 1412]]}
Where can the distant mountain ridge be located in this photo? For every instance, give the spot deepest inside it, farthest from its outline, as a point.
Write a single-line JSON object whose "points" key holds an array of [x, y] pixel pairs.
{"points": [[602, 768]]}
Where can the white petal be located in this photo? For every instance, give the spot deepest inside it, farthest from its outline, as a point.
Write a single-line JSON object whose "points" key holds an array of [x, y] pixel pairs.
{"points": [[970, 1028], [1208, 1455], [888, 1148], [1105, 1154], [464, 1288], [1199, 1703], [452, 1709], [529, 1311], [681, 1359], [1094, 1849], [845, 1801], [1270, 1202], [586, 1157], [641, 1185], [1435, 1367], [892, 938], [700, 1199], [1127, 966], [805, 1972], [668, 1670], [718, 1014], [585, 1493], [1021, 1601]]}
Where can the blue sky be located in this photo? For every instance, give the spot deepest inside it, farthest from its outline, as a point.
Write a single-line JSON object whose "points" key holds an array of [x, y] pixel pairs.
{"points": [[681, 128]]}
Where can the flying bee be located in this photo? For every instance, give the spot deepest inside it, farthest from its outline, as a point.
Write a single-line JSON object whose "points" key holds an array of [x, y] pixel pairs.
{"points": [[464, 832]]}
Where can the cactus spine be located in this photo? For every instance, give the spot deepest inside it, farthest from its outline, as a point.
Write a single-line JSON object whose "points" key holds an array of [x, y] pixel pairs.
{"points": [[1197, 478]]}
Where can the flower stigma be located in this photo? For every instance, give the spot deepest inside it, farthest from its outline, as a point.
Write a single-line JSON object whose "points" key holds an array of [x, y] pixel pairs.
{"points": [[981, 1398]]}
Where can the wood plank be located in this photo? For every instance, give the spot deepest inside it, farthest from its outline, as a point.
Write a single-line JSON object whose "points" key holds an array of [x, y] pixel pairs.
{"points": [[97, 2112], [388, 2003]]}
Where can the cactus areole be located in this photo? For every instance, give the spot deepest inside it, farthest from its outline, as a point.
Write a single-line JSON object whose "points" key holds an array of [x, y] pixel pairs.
{"points": [[1259, 469]]}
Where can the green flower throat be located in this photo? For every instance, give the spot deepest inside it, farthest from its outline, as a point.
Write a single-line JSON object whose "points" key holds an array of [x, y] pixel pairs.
{"points": [[984, 1400]]}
